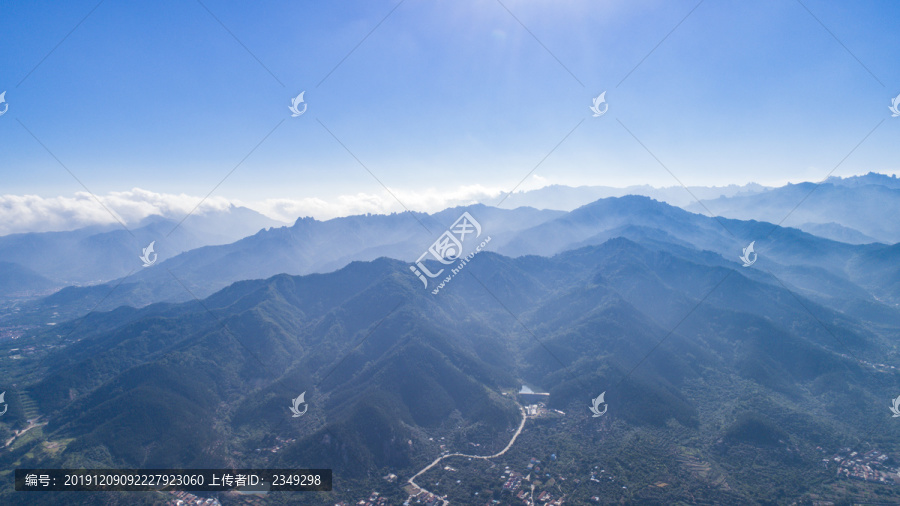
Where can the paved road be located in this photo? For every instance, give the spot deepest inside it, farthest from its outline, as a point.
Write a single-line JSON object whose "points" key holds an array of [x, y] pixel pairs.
{"points": [[484, 457]]}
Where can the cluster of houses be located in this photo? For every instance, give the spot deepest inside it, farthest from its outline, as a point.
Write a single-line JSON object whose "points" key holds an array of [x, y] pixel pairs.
{"points": [[869, 466], [513, 483], [16, 353], [14, 332], [874, 365], [279, 444], [424, 498], [519, 485], [186, 498], [374, 499]]}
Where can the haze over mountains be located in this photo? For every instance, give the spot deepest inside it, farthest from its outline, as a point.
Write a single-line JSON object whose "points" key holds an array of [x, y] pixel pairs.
{"points": [[568, 198], [727, 383], [306, 247], [98, 254], [810, 262], [856, 209], [845, 210], [849, 209], [695, 353]]}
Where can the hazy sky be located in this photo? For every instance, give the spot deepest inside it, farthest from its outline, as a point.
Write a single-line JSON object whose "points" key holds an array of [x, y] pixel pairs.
{"points": [[441, 95]]}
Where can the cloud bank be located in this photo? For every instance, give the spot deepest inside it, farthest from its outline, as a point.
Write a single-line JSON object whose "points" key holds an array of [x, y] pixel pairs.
{"points": [[33, 213]]}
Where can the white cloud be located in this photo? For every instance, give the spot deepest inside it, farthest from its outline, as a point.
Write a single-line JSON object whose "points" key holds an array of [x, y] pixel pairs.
{"points": [[397, 200], [32, 213]]}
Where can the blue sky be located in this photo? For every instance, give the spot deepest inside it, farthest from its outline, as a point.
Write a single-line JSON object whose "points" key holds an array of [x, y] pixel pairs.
{"points": [[442, 95]]}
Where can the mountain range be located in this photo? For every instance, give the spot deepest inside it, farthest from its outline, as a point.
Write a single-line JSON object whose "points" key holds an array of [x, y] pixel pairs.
{"points": [[568, 198], [855, 209], [308, 246], [98, 254], [830, 272], [252, 246], [727, 383]]}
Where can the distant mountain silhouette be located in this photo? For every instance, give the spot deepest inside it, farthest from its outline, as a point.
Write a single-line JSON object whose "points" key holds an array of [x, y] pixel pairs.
{"points": [[568, 198], [819, 268], [306, 247], [861, 203], [101, 253]]}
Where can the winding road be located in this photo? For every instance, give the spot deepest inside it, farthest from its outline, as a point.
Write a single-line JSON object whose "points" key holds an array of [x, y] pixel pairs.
{"points": [[484, 457], [22, 432]]}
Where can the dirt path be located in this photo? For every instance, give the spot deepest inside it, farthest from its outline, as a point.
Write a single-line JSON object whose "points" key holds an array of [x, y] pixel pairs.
{"points": [[20, 433]]}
